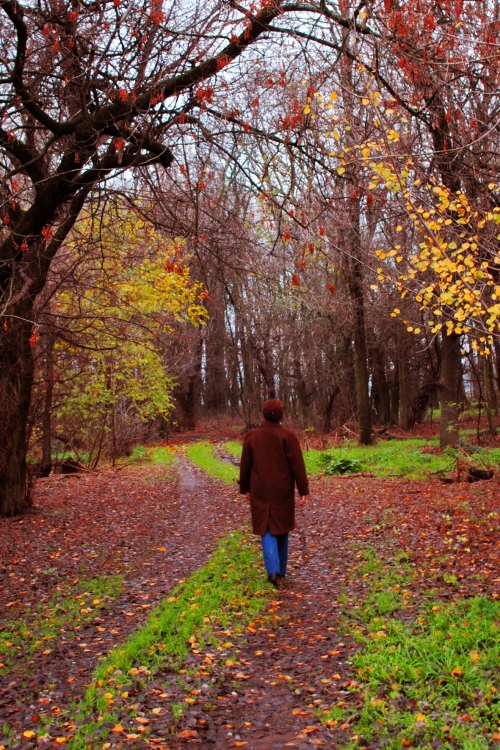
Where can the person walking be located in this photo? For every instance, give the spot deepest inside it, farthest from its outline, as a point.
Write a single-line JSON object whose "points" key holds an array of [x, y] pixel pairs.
{"points": [[271, 465]]}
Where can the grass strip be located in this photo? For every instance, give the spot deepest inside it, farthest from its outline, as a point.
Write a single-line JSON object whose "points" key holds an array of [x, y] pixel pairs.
{"points": [[64, 613], [392, 458], [202, 454], [429, 680], [230, 588]]}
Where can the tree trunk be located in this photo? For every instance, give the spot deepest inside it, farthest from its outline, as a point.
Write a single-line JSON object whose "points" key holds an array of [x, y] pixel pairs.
{"points": [[404, 387], [327, 423], [216, 387], [395, 394], [46, 463], [360, 355], [450, 383], [380, 389], [16, 377]]}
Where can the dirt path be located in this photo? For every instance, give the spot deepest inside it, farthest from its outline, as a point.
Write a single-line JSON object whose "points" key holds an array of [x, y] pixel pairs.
{"points": [[137, 523], [155, 529]]}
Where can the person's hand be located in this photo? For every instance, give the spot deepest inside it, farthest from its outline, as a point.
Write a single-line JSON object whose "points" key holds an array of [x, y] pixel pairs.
{"points": [[302, 500]]}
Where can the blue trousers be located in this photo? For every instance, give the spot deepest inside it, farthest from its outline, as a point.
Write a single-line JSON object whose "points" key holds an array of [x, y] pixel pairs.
{"points": [[275, 552]]}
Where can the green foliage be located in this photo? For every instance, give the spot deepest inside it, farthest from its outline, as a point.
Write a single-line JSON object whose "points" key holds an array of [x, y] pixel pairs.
{"points": [[231, 581], [391, 458], [432, 678], [333, 464], [156, 456], [118, 312], [202, 454]]}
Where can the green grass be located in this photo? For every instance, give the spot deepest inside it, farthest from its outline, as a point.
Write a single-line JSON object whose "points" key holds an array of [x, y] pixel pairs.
{"points": [[433, 678], [202, 454], [392, 458], [157, 456], [65, 612], [230, 582]]}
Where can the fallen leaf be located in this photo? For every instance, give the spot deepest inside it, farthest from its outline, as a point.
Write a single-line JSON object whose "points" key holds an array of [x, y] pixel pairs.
{"points": [[141, 720], [188, 734], [117, 728], [28, 734]]}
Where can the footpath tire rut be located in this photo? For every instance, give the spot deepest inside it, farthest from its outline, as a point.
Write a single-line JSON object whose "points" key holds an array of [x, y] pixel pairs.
{"points": [[289, 669]]}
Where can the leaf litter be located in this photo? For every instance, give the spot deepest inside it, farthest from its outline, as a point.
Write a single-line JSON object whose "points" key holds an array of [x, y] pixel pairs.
{"points": [[272, 686]]}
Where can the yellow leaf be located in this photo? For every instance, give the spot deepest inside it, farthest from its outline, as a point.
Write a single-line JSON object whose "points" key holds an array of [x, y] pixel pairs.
{"points": [[61, 740], [340, 170], [365, 101], [117, 728], [475, 656], [307, 109], [420, 717], [399, 228], [28, 734], [457, 672], [333, 96]]}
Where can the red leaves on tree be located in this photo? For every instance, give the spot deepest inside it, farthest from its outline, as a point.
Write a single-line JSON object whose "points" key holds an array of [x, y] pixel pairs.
{"points": [[295, 280], [222, 61], [34, 338], [429, 22], [205, 94]]}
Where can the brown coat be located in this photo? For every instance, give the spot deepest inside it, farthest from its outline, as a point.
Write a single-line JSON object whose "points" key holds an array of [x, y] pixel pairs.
{"points": [[271, 464]]}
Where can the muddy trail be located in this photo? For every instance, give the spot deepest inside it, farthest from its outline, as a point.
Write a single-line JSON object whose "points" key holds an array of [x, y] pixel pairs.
{"points": [[154, 526], [142, 524]]}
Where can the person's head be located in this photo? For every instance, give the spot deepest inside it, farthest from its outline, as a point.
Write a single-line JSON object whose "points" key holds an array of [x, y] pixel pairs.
{"points": [[273, 410]]}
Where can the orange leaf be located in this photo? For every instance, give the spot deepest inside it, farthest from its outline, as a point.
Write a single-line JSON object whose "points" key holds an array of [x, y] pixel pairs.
{"points": [[117, 728], [188, 734]]}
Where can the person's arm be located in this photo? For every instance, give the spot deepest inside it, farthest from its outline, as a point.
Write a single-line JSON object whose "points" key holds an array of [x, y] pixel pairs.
{"points": [[245, 469], [298, 467]]}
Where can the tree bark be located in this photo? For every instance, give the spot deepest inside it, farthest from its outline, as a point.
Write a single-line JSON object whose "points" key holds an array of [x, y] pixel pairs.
{"points": [[360, 355], [16, 378], [395, 394], [450, 383], [46, 463]]}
